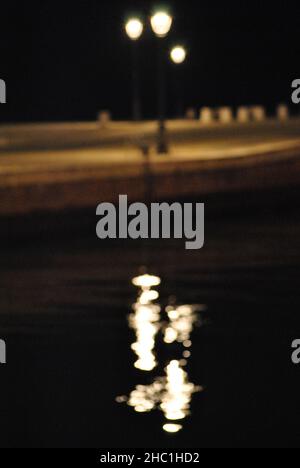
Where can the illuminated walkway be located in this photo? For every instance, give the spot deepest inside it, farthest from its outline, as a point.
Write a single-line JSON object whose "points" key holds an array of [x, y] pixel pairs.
{"points": [[201, 160]]}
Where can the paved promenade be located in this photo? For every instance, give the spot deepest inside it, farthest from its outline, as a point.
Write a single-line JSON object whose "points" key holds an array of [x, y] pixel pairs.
{"points": [[202, 160]]}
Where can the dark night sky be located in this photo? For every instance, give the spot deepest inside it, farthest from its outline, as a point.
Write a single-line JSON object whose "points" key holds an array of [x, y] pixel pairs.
{"points": [[65, 61]]}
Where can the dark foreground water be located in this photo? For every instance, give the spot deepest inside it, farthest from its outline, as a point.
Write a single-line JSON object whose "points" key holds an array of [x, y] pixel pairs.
{"points": [[64, 315]]}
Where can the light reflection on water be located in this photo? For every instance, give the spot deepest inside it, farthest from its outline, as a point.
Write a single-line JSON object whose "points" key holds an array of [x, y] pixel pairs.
{"points": [[172, 392], [145, 320], [181, 323]]}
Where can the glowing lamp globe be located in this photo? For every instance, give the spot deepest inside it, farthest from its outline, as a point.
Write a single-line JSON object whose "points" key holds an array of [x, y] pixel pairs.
{"points": [[134, 29], [178, 54], [161, 23]]}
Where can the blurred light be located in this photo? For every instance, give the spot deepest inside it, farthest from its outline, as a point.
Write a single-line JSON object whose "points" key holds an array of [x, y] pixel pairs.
{"points": [[171, 393], [146, 281], [145, 322], [143, 398], [161, 23], [170, 335], [172, 428], [141, 409], [121, 399], [134, 28], [182, 320], [178, 393], [173, 314], [187, 343], [148, 296], [178, 54]]}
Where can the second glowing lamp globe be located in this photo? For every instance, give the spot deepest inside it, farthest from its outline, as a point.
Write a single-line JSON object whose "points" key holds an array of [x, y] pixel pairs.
{"points": [[161, 23]]}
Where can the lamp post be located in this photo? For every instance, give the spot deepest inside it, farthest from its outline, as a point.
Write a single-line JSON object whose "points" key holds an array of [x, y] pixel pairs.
{"points": [[161, 23], [134, 29], [178, 55]]}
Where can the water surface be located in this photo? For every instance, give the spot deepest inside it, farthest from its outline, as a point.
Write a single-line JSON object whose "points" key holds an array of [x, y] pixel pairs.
{"points": [[66, 313]]}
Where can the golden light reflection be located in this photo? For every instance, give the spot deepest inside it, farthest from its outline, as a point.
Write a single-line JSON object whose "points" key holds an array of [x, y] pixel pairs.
{"points": [[181, 324], [178, 392], [148, 296], [172, 428], [171, 393], [145, 321], [146, 281], [187, 343]]}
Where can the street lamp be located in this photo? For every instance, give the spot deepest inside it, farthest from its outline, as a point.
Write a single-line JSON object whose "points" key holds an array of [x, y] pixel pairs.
{"points": [[161, 23], [134, 29], [178, 55]]}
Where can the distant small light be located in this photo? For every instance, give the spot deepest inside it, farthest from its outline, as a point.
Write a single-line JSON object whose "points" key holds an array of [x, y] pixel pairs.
{"points": [[172, 428], [134, 28], [187, 343], [187, 354], [121, 399], [178, 54]]}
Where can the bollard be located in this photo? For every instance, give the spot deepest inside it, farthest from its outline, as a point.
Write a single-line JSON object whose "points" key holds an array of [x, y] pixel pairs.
{"points": [[243, 114], [258, 113], [225, 115], [104, 117], [190, 114], [206, 115], [282, 112]]}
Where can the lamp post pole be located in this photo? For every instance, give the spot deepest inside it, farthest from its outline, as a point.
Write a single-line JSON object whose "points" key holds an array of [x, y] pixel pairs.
{"points": [[136, 97], [134, 29], [161, 23], [178, 55], [162, 144]]}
